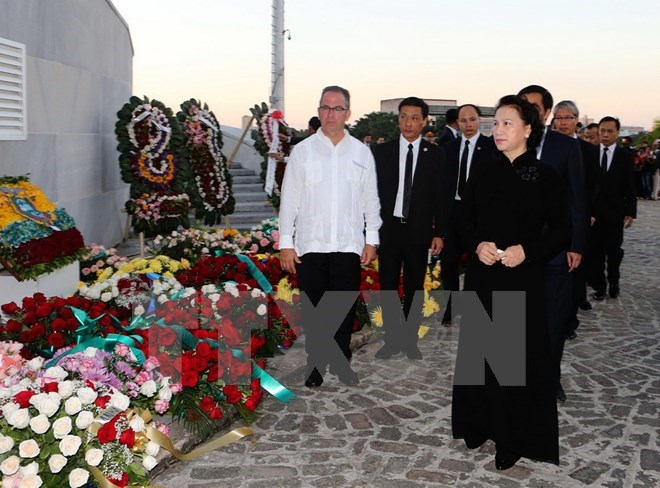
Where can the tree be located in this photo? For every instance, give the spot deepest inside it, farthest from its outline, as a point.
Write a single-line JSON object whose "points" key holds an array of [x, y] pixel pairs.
{"points": [[378, 124]]}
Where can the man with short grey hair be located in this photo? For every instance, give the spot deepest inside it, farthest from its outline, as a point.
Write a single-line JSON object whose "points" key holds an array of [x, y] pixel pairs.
{"points": [[329, 222], [566, 115]]}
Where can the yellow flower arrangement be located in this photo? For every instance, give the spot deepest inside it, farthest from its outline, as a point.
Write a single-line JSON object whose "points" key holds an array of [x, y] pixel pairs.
{"points": [[377, 317], [285, 291], [158, 264], [29, 192]]}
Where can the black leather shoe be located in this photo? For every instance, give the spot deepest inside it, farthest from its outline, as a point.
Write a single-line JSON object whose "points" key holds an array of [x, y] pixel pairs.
{"points": [[571, 335], [599, 296], [586, 305], [614, 291], [348, 377], [315, 379], [413, 352], [561, 395], [387, 351], [503, 464]]}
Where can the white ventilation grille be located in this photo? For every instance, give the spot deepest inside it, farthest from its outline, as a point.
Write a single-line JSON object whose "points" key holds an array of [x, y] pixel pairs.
{"points": [[13, 116]]}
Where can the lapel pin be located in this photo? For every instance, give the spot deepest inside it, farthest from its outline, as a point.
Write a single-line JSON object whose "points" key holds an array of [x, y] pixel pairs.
{"points": [[426, 149]]}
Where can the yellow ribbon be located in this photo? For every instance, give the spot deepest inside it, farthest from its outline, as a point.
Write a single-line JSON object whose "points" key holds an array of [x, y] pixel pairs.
{"points": [[166, 443]]}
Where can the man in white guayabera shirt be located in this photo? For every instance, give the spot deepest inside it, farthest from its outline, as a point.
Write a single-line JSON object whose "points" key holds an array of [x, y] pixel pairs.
{"points": [[329, 221]]}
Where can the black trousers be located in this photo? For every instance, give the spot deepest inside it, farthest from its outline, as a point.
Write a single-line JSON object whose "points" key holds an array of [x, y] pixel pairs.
{"points": [[394, 255], [559, 303], [450, 259], [317, 274], [607, 242]]}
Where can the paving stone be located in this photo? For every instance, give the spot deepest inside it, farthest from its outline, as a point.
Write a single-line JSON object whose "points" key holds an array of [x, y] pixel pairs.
{"points": [[394, 429], [590, 473], [380, 416], [649, 460], [393, 447], [358, 421]]}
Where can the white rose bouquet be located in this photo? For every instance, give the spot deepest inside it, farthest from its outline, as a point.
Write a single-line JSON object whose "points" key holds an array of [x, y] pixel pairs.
{"points": [[76, 423]]}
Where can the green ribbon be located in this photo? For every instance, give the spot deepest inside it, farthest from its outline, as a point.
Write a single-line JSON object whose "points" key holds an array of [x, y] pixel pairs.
{"points": [[270, 384], [106, 344], [253, 269]]}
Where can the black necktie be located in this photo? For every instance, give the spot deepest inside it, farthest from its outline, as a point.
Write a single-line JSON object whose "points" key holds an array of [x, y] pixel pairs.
{"points": [[603, 162], [407, 182], [462, 175]]}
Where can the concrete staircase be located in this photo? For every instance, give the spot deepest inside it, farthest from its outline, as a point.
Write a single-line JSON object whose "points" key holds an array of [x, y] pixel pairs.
{"points": [[252, 205]]}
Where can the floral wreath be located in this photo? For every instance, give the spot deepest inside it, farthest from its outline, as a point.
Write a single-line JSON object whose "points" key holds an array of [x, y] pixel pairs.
{"points": [[212, 191], [270, 122], [151, 162]]}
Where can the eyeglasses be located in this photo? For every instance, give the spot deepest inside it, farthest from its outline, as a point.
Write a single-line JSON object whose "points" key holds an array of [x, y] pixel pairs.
{"points": [[564, 117], [337, 110]]}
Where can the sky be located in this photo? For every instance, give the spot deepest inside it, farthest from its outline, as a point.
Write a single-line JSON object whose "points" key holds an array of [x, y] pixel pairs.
{"points": [[602, 54]]}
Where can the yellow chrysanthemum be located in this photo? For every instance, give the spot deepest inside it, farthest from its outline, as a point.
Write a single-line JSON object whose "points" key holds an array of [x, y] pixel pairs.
{"points": [[155, 266], [167, 274], [184, 263], [369, 280], [229, 233], [105, 274], [430, 305], [423, 329], [285, 291], [377, 317]]}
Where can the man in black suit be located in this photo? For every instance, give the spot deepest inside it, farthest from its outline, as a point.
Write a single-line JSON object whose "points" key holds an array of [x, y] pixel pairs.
{"points": [[450, 131], [566, 115], [614, 210], [465, 155], [412, 183], [562, 153]]}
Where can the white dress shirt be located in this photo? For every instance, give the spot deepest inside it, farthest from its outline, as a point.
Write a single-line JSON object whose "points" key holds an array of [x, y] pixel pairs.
{"points": [[610, 155], [403, 152], [329, 197]]}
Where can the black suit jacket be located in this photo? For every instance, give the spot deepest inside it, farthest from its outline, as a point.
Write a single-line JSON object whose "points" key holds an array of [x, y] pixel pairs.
{"points": [[591, 168], [563, 153], [617, 198], [446, 136], [483, 152], [429, 213]]}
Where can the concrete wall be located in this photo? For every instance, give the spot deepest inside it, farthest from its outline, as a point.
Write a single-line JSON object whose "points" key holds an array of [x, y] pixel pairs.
{"points": [[247, 155], [79, 74]]}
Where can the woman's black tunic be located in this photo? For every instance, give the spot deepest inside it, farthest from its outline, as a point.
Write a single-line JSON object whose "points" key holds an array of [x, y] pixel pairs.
{"points": [[520, 203]]}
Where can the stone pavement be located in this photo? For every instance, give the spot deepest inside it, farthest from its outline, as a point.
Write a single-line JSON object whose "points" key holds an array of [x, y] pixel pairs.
{"points": [[394, 429]]}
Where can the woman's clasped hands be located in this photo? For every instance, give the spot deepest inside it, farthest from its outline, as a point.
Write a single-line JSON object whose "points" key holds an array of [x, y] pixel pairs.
{"points": [[489, 254]]}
